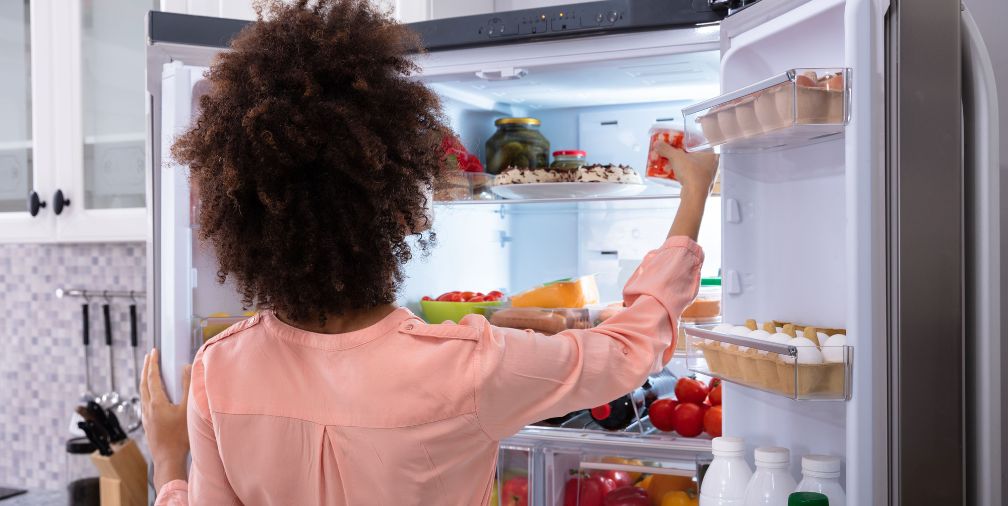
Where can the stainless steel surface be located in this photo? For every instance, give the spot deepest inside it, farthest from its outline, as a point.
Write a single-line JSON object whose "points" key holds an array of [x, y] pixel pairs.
{"points": [[925, 206], [99, 294]]}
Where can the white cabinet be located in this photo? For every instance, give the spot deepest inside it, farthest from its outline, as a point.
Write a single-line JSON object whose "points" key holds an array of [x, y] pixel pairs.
{"points": [[78, 123]]}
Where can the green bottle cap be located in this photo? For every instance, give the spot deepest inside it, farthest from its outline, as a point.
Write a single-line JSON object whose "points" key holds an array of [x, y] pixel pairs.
{"points": [[710, 281], [807, 499]]}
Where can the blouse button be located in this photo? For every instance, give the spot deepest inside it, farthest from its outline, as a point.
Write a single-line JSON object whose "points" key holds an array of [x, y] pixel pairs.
{"points": [[409, 327], [626, 351]]}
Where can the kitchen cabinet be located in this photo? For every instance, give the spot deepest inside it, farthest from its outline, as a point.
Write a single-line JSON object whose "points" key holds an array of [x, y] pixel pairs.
{"points": [[75, 143]]}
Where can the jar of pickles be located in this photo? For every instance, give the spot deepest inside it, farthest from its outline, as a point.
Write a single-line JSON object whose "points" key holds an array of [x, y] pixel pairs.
{"points": [[568, 159], [517, 142]]}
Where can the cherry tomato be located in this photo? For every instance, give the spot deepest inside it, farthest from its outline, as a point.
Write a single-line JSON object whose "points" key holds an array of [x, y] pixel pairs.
{"points": [[688, 419], [690, 390], [426, 297], [495, 293], [661, 414], [712, 421], [455, 297], [478, 298]]}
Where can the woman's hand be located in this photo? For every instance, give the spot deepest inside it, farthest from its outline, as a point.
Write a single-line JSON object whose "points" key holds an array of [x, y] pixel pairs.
{"points": [[696, 172], [164, 422]]}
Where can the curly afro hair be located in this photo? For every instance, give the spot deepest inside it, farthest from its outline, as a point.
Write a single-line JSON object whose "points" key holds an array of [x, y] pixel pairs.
{"points": [[314, 157]]}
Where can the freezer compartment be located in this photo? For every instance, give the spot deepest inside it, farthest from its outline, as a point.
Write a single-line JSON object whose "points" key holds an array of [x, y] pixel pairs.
{"points": [[796, 108], [782, 369]]}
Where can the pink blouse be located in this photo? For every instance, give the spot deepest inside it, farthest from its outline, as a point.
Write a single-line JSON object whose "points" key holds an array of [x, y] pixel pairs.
{"points": [[404, 412]]}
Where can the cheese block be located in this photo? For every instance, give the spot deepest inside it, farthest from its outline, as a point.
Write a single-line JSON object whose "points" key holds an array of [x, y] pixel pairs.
{"points": [[575, 292]]}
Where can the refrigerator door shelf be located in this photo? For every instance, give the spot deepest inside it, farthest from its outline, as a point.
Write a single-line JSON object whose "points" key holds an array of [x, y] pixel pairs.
{"points": [[801, 373], [796, 108]]}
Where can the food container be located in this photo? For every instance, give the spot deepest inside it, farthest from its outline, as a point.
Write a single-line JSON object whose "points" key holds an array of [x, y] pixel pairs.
{"points": [[706, 308], [548, 321], [797, 107], [207, 327], [439, 311], [659, 169], [518, 143], [569, 159], [453, 186]]}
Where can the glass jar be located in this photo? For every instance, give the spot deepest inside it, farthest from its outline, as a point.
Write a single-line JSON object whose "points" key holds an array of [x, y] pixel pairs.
{"points": [[517, 142], [570, 159], [81, 476]]}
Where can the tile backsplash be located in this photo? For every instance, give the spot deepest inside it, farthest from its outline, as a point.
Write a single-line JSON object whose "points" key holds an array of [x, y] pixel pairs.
{"points": [[41, 351]]}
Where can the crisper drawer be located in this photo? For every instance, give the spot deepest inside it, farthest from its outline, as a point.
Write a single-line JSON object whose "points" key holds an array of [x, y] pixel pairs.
{"points": [[573, 468]]}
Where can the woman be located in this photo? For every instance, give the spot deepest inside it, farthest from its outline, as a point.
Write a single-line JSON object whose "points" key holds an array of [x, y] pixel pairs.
{"points": [[312, 159]]}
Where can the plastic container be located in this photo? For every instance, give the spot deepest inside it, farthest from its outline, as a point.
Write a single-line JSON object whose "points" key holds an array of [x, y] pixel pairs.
{"points": [[706, 308], [80, 474], [547, 321], [772, 483], [517, 143], [807, 499], [821, 473], [658, 167], [569, 159], [728, 475]]}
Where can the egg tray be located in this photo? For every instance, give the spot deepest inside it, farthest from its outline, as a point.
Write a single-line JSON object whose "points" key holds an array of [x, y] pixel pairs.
{"points": [[789, 109], [766, 366]]}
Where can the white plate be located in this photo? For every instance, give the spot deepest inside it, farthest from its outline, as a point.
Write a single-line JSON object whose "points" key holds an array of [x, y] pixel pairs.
{"points": [[567, 190]]}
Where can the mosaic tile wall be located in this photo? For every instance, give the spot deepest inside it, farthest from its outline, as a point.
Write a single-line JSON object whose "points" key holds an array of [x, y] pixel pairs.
{"points": [[41, 352]]}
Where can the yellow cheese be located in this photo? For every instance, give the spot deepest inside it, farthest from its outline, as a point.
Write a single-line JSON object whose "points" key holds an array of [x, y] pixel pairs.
{"points": [[577, 292]]}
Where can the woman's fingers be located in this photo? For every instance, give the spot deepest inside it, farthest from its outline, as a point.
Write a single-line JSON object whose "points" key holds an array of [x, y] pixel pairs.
{"points": [[666, 150], [155, 386], [144, 392]]}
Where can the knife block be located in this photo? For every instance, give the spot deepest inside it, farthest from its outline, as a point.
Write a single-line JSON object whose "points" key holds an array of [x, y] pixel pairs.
{"points": [[122, 476]]}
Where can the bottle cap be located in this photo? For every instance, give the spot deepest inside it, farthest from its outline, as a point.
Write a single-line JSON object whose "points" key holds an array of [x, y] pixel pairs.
{"points": [[772, 455], [823, 465], [807, 499], [601, 412], [727, 445]]}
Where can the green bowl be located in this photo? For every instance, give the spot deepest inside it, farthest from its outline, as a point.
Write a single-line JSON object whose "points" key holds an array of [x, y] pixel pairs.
{"points": [[439, 312]]}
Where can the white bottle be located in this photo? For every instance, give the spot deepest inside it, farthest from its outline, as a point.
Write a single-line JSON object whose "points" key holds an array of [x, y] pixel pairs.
{"points": [[821, 473], [728, 474], [772, 483]]}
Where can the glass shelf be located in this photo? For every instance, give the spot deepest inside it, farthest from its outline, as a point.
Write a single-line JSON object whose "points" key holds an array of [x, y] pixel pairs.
{"points": [[796, 108], [768, 366], [440, 203]]}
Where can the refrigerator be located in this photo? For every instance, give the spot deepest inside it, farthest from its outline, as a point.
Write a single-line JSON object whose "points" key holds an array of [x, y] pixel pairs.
{"points": [[879, 218]]}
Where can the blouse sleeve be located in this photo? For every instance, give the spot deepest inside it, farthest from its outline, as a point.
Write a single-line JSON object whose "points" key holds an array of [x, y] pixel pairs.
{"points": [[208, 482], [524, 377]]}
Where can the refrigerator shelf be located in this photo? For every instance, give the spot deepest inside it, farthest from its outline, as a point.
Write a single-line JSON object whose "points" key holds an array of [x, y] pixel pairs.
{"points": [[770, 367], [668, 194], [796, 108], [600, 441]]}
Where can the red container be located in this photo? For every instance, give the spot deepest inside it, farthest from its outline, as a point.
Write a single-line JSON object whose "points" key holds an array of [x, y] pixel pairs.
{"points": [[659, 166]]}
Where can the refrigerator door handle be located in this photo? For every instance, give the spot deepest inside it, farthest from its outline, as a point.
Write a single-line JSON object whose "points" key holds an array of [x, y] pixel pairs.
{"points": [[985, 450]]}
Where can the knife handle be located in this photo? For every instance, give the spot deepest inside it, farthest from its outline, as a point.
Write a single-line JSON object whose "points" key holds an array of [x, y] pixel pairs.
{"points": [[133, 325]]}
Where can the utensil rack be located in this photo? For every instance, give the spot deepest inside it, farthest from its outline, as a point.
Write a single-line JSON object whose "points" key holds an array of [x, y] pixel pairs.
{"points": [[99, 294]]}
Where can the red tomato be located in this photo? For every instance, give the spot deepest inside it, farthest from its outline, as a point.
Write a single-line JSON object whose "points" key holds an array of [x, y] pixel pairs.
{"points": [[478, 298], [608, 484], [713, 383], [495, 293], [590, 492], [467, 295], [688, 419], [480, 294], [627, 496], [715, 395], [690, 390], [426, 297], [515, 492], [661, 414], [619, 478], [455, 297], [712, 421], [491, 298]]}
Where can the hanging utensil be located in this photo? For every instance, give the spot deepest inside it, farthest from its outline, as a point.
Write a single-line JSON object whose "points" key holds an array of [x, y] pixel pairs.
{"points": [[111, 397], [88, 393], [129, 411]]}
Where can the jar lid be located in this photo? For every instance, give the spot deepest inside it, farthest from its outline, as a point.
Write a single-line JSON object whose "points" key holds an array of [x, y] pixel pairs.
{"points": [[772, 455], [570, 152], [710, 281], [728, 445], [820, 464], [807, 499], [80, 446], [517, 121]]}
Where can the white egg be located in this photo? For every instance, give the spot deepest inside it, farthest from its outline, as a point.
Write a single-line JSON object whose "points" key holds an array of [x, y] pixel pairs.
{"points": [[723, 328], [833, 348], [822, 336], [808, 352], [762, 335], [738, 331], [780, 338]]}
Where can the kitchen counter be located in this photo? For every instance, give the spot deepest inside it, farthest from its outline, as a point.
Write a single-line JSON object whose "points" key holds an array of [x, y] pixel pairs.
{"points": [[37, 498]]}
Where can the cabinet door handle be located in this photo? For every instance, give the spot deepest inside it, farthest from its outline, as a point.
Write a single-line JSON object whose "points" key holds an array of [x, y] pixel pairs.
{"points": [[35, 203], [59, 202]]}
